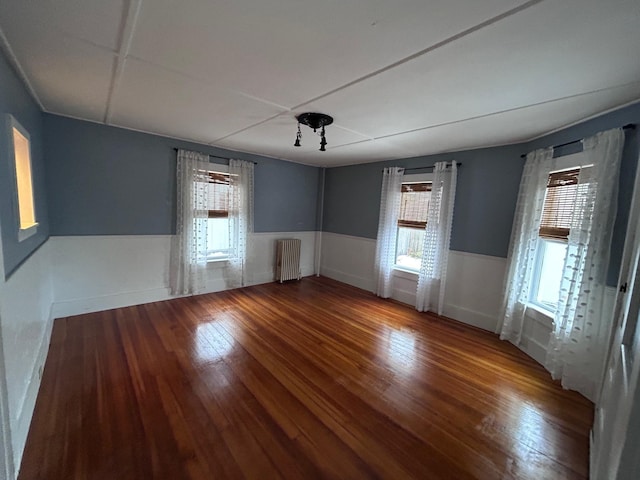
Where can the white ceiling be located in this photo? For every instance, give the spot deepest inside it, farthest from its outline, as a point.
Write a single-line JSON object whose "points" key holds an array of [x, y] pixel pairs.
{"points": [[401, 78]]}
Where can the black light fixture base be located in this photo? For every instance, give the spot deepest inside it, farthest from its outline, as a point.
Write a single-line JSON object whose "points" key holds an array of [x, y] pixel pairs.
{"points": [[314, 120]]}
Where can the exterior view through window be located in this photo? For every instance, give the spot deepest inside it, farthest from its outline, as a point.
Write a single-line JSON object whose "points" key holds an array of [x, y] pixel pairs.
{"points": [[411, 224], [218, 222], [561, 195]]}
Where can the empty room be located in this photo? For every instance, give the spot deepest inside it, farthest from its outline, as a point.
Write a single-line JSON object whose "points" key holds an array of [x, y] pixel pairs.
{"points": [[292, 239]]}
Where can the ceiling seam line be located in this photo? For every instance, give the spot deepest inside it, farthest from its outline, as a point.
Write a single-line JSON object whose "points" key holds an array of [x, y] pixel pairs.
{"points": [[203, 81], [6, 46], [413, 56], [248, 127], [427, 50], [128, 30], [508, 110]]}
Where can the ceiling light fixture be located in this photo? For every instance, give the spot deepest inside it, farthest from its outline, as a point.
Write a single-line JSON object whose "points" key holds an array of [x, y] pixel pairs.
{"points": [[315, 121]]}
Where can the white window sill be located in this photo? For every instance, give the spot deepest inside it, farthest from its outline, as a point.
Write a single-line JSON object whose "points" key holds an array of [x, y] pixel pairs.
{"points": [[217, 263], [25, 233], [540, 314], [403, 272]]}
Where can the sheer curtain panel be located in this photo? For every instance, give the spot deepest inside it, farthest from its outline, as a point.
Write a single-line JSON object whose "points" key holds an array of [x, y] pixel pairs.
{"points": [[189, 244], [388, 229], [578, 345], [240, 221], [435, 249], [524, 240]]}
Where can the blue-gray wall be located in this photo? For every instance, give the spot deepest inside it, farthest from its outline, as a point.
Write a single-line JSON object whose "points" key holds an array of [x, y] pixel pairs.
{"points": [[487, 189], [111, 181], [16, 100]]}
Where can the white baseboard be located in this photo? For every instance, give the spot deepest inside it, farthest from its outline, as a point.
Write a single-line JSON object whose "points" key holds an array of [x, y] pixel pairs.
{"points": [[404, 296], [592, 454], [28, 406], [470, 317], [262, 277], [348, 259], [94, 273], [534, 349], [119, 300], [270, 275], [78, 306], [354, 280], [474, 282]]}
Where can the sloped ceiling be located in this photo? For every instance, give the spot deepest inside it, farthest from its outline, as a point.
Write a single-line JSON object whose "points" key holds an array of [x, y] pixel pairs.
{"points": [[401, 78]]}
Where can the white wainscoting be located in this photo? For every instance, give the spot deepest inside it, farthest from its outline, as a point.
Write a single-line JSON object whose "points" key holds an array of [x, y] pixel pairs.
{"points": [[474, 282], [93, 273], [538, 326], [261, 259], [348, 259], [25, 312], [474, 288], [535, 334], [262, 248]]}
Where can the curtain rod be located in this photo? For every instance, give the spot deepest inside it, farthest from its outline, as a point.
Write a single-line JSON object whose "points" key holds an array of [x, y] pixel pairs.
{"points": [[430, 166], [628, 126], [175, 149]]}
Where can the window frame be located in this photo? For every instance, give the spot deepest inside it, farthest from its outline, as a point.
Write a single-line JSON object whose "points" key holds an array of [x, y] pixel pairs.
{"points": [[220, 169], [24, 231], [574, 161], [410, 178], [536, 274]]}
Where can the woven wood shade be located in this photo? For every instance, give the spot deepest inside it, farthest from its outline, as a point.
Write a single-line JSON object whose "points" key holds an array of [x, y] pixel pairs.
{"points": [[559, 201], [218, 191], [414, 205]]}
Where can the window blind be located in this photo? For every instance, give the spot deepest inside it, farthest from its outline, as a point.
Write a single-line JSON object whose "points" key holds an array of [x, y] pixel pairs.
{"points": [[218, 191], [559, 201], [414, 205]]}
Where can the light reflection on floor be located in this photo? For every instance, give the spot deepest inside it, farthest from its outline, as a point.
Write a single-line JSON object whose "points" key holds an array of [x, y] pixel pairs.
{"points": [[533, 442], [211, 343], [399, 348]]}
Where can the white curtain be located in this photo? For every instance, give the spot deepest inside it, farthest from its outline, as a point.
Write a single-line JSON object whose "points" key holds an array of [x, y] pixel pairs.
{"points": [[240, 221], [435, 249], [579, 340], [189, 245], [524, 240], [388, 229]]}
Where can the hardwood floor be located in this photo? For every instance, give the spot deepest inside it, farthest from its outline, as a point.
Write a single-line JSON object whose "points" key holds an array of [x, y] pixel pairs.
{"points": [[311, 379]]}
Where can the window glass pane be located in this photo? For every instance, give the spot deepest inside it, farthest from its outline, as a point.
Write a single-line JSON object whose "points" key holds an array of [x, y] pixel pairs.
{"points": [[218, 193], [23, 177], [414, 204], [409, 247], [217, 238], [559, 201], [551, 264]]}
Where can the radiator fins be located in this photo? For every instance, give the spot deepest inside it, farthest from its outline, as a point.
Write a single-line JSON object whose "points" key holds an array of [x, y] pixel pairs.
{"points": [[288, 259]]}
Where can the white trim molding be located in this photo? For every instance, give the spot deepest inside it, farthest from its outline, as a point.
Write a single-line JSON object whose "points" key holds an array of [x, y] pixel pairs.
{"points": [[474, 281], [348, 259], [101, 272], [25, 327]]}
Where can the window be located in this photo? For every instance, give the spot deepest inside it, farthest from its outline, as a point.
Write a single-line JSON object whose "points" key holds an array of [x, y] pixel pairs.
{"points": [[557, 215], [218, 213], [411, 224], [27, 224]]}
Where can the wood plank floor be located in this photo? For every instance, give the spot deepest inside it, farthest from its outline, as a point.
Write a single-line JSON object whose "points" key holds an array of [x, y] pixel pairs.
{"points": [[311, 379]]}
